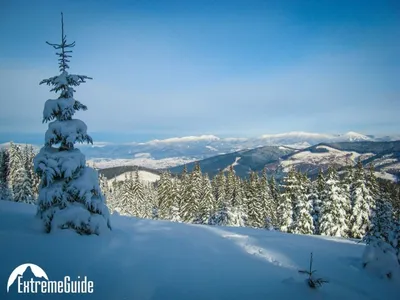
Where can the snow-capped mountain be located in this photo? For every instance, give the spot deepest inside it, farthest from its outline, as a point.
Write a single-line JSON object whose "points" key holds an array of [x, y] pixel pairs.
{"points": [[385, 156], [204, 146]]}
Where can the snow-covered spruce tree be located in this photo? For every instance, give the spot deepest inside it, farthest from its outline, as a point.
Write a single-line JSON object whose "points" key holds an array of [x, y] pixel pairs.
{"points": [[372, 182], [207, 201], [255, 206], [302, 208], [196, 181], [362, 204], [5, 193], [21, 184], [15, 163], [347, 182], [139, 201], [239, 215], [113, 197], [334, 207], [275, 194], [285, 207], [381, 254], [105, 189], [176, 202], [23, 187], [150, 200], [314, 196], [165, 196], [230, 211], [190, 206], [69, 193], [267, 201], [34, 178], [218, 186]]}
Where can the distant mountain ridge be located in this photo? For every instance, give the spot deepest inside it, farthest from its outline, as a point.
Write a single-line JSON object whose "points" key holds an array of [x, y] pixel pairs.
{"points": [[385, 156], [161, 154]]}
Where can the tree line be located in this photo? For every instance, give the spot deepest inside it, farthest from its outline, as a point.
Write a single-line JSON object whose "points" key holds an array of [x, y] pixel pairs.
{"points": [[336, 203]]}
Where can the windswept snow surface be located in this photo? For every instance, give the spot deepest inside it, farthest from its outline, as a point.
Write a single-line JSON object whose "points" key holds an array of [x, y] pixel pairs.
{"points": [[143, 161], [144, 176], [329, 156], [146, 259]]}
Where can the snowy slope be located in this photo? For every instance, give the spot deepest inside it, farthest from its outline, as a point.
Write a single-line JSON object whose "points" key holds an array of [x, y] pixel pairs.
{"points": [[147, 162], [143, 176], [324, 157], [145, 259]]}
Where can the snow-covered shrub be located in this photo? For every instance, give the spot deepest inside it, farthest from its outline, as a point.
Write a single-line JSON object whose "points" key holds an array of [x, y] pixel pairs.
{"points": [[380, 258]]}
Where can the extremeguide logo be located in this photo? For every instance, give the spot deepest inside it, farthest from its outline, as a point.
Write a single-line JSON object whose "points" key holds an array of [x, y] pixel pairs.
{"points": [[43, 285]]}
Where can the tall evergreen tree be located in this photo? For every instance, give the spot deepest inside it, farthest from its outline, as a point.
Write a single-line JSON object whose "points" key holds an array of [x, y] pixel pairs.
{"points": [[255, 206], [35, 179], [207, 202], [15, 163], [69, 195], [22, 187], [267, 201], [126, 200], [302, 207], [275, 194], [177, 201], [190, 207], [222, 206], [315, 193], [334, 207], [219, 190], [139, 200], [114, 196], [5, 193], [362, 203], [285, 208], [165, 196]]}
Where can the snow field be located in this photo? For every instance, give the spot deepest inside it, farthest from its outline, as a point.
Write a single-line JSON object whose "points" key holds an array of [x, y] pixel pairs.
{"points": [[147, 259]]}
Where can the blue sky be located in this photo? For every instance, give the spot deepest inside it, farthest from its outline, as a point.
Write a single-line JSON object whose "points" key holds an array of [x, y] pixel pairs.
{"points": [[229, 68]]}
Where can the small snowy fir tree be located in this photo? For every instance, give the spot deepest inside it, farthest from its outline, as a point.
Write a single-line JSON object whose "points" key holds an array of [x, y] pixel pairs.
{"points": [[69, 193]]}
